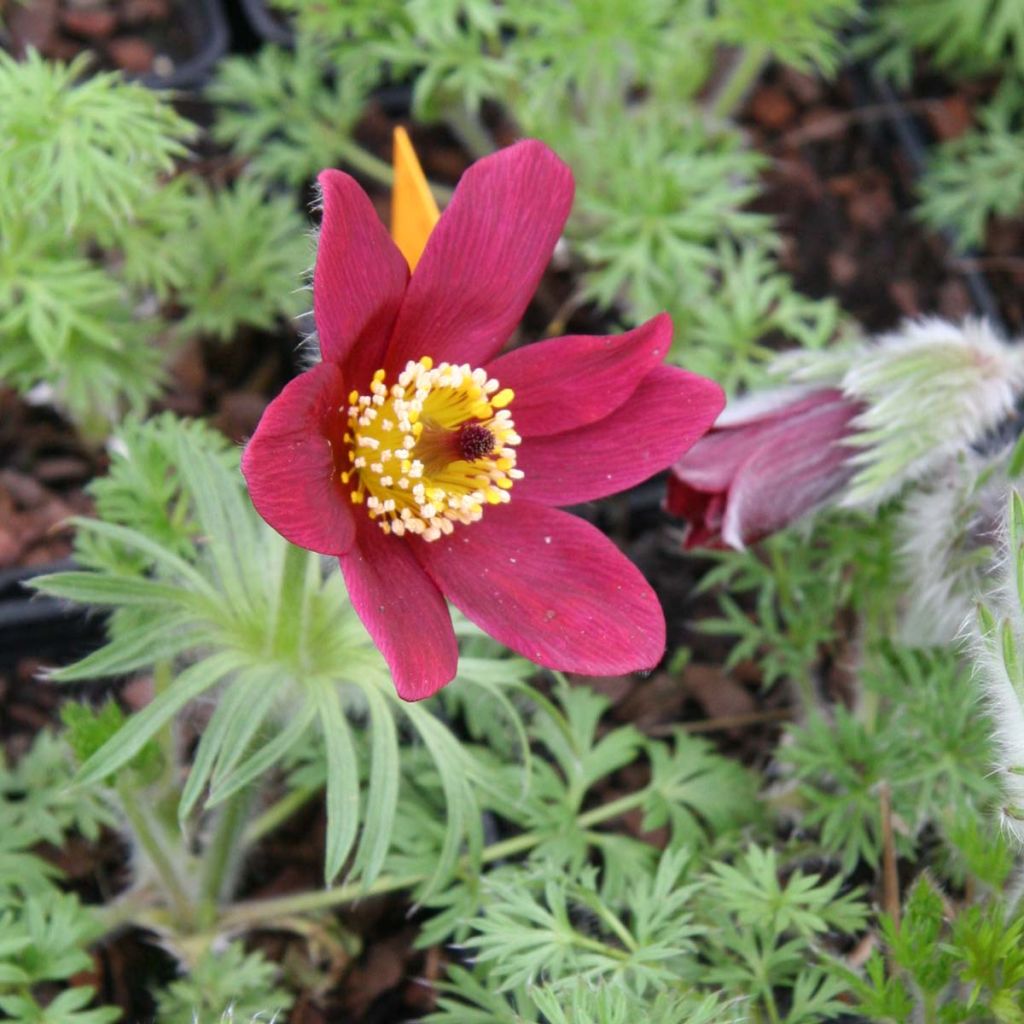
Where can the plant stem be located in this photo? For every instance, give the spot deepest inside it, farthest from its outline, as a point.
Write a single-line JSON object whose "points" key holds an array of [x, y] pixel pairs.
{"points": [[468, 129], [890, 877], [145, 832], [277, 813], [807, 698], [286, 636], [739, 81], [222, 854], [381, 171], [162, 679], [260, 912]]}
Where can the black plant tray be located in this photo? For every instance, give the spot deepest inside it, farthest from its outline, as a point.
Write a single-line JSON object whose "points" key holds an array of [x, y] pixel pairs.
{"points": [[47, 628]]}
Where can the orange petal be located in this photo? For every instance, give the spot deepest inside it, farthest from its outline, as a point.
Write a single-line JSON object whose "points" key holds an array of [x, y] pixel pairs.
{"points": [[413, 210]]}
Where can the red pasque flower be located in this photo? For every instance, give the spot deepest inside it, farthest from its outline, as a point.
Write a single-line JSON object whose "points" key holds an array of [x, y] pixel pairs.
{"points": [[767, 461], [431, 465]]}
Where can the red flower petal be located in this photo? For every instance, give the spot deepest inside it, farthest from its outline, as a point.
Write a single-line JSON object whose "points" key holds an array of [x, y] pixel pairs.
{"points": [[769, 460], [289, 464], [666, 414], [569, 382], [402, 610], [359, 280], [551, 587], [761, 418], [780, 482], [484, 259]]}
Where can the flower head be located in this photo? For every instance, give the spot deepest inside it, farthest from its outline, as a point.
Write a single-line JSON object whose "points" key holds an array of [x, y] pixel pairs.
{"points": [[770, 459], [432, 466], [864, 423]]}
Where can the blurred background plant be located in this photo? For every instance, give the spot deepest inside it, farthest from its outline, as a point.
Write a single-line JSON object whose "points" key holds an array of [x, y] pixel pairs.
{"points": [[99, 232], [973, 178]]}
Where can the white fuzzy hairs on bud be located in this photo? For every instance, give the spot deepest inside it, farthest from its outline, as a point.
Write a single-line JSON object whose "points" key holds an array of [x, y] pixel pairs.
{"points": [[997, 646], [930, 390], [948, 531], [230, 1017]]}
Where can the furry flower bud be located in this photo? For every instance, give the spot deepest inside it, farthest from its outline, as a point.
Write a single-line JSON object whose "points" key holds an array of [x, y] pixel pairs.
{"points": [[929, 391]]}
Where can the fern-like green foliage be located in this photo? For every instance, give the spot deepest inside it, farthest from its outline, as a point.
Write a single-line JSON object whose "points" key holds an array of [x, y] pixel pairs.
{"points": [[465, 999], [784, 601], [662, 222], [918, 731], [734, 339], [584, 1004], [964, 39], [969, 968], [582, 57], [262, 624], [255, 251], [802, 33], [279, 112], [662, 218], [143, 490], [559, 927], [722, 936], [649, 215], [91, 149], [226, 984], [762, 931], [978, 176], [93, 228], [78, 157], [35, 795], [37, 806], [42, 941], [698, 795], [44, 933]]}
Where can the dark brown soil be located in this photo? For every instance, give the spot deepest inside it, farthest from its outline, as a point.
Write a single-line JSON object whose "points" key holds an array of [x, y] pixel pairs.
{"points": [[141, 37]]}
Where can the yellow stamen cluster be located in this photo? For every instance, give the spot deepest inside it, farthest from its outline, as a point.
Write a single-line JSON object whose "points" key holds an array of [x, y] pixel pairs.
{"points": [[431, 450]]}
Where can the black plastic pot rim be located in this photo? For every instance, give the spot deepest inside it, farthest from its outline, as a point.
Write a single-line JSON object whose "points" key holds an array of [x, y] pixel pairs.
{"points": [[265, 25], [195, 71]]}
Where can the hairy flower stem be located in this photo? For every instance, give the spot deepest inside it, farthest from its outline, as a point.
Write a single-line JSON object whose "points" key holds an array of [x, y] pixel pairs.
{"points": [[163, 676], [286, 637], [770, 1007], [740, 79], [260, 912], [146, 833], [278, 813], [223, 854], [467, 127]]}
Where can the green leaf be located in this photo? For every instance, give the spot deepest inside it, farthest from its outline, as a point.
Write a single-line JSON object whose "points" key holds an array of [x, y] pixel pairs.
{"points": [[115, 591], [268, 755], [144, 725], [235, 720], [455, 771], [382, 793], [342, 780]]}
